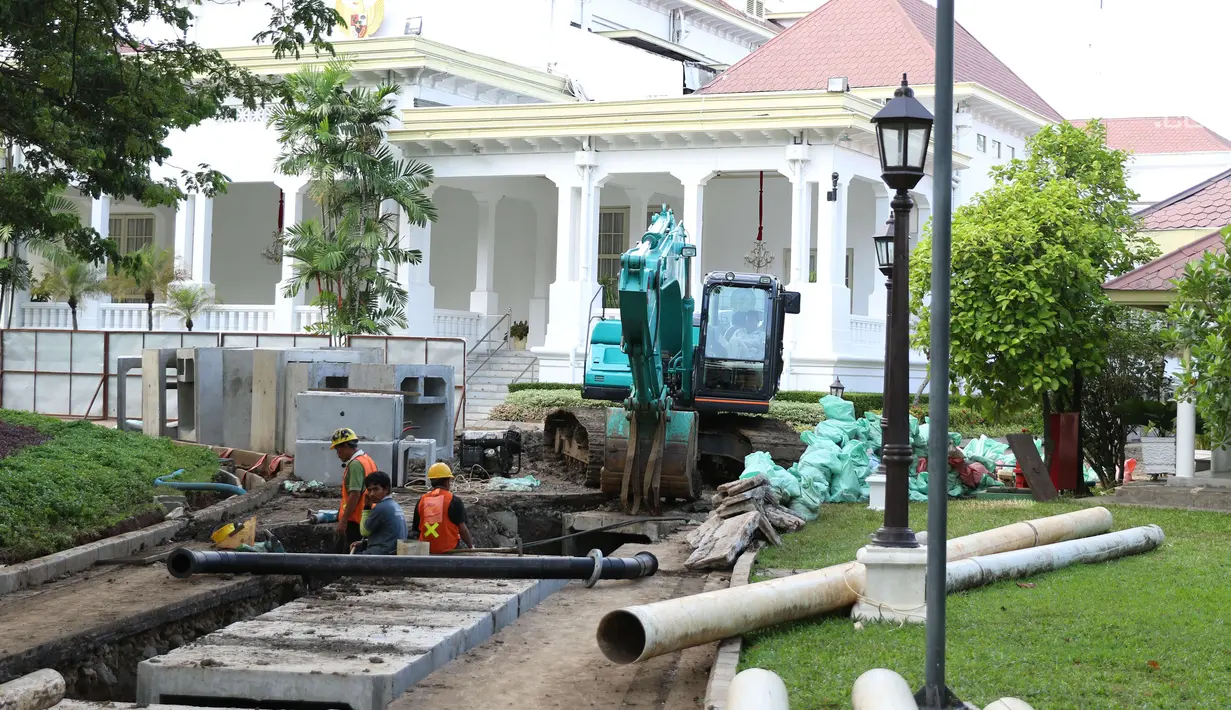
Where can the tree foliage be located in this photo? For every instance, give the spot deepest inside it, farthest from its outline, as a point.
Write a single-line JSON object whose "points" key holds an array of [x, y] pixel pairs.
{"points": [[186, 301], [1133, 375], [149, 272], [335, 136], [69, 279], [90, 97], [1030, 255], [1201, 325]]}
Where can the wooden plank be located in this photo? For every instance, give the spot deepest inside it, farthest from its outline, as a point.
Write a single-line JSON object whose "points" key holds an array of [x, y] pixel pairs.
{"points": [[1041, 487], [743, 484]]}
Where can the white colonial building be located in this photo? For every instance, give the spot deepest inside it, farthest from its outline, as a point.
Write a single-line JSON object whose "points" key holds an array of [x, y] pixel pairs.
{"points": [[555, 126]]}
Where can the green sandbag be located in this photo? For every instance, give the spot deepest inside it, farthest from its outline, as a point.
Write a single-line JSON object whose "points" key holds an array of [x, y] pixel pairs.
{"points": [[834, 432], [857, 453], [844, 483], [814, 467], [803, 511], [917, 487], [783, 483], [989, 452], [838, 409], [873, 431]]}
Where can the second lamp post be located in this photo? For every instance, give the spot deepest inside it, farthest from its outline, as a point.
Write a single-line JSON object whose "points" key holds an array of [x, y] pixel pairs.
{"points": [[903, 128]]}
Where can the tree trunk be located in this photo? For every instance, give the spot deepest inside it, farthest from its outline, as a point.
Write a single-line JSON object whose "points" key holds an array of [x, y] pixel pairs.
{"points": [[149, 311], [188, 324], [72, 309]]}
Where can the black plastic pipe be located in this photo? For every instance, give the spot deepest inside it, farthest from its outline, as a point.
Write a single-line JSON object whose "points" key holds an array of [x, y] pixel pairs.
{"points": [[185, 563]]}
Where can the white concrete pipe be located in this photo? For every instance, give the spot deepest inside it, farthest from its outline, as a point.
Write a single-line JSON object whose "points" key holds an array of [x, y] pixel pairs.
{"points": [[1009, 704], [36, 691], [757, 689], [636, 633], [978, 571], [1042, 531], [882, 689]]}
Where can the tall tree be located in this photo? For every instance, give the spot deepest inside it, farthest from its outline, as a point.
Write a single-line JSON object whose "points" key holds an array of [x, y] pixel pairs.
{"points": [[89, 99], [335, 136], [1030, 256], [1201, 325]]}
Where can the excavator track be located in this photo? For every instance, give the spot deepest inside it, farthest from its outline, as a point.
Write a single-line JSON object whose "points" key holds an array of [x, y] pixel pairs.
{"points": [[578, 435]]}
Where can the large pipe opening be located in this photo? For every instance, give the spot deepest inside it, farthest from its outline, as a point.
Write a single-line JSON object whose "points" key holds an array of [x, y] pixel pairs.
{"points": [[621, 637], [180, 563]]}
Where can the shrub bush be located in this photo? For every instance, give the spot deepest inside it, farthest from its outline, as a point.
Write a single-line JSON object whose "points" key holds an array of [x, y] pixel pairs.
{"points": [[522, 386]]}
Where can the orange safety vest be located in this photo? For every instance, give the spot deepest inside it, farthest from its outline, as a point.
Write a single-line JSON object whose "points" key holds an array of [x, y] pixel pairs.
{"points": [[369, 466], [437, 530]]}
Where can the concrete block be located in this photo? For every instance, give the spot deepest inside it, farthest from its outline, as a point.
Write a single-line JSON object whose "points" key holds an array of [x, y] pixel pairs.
{"points": [[200, 395], [237, 398], [374, 417], [895, 589], [315, 461], [396, 636]]}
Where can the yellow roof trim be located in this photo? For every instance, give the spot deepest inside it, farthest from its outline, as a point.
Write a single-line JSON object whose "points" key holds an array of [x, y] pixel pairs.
{"points": [[412, 52], [725, 112], [964, 90], [1141, 299]]}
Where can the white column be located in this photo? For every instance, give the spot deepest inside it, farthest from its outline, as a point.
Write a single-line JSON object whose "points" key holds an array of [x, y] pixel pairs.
{"points": [[878, 300], [569, 295], [801, 225], [292, 213], [1186, 436], [89, 313], [484, 299], [836, 251], [184, 222], [202, 240], [416, 278], [638, 209], [693, 220], [544, 225]]}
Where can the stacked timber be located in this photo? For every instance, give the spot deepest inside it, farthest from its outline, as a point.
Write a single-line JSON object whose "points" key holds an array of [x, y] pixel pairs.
{"points": [[743, 509]]}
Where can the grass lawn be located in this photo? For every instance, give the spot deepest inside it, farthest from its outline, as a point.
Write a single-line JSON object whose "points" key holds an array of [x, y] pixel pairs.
{"points": [[83, 479], [1147, 631]]}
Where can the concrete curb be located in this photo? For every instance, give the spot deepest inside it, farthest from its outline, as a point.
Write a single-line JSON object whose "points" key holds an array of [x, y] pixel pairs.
{"points": [[78, 559], [726, 661]]}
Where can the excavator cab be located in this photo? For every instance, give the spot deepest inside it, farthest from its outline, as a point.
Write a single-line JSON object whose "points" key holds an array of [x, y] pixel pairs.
{"points": [[739, 349]]}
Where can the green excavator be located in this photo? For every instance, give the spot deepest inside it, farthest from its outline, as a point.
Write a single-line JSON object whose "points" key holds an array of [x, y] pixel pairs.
{"points": [[687, 382]]}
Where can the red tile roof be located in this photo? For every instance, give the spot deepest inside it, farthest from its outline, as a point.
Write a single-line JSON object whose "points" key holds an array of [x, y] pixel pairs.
{"points": [[871, 43], [1160, 134], [1206, 204], [1157, 275]]}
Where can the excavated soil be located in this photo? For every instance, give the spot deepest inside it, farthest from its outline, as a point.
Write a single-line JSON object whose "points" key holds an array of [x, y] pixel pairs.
{"points": [[14, 438]]}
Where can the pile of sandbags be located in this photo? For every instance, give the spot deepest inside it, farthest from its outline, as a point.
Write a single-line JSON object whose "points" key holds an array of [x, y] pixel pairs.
{"points": [[742, 509]]}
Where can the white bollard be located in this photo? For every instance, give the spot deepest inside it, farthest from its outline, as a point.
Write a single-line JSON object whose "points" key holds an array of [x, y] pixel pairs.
{"points": [[37, 691], [1009, 704], [757, 689], [882, 689]]}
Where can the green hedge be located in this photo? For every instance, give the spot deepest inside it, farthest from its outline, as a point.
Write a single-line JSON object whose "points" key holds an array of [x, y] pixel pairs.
{"points": [[84, 479], [520, 386], [799, 407]]}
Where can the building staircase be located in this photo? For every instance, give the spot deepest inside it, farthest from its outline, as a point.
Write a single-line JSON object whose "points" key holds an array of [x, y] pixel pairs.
{"points": [[488, 379]]}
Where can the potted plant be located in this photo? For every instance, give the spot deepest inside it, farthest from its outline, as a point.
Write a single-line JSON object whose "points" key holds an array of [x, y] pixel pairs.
{"points": [[518, 332]]}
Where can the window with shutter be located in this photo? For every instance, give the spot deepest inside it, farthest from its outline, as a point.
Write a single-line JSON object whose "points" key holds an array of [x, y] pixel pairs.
{"points": [[612, 243]]}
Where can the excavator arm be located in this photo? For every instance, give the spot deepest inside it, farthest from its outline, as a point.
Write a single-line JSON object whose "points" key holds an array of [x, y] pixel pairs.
{"points": [[656, 313]]}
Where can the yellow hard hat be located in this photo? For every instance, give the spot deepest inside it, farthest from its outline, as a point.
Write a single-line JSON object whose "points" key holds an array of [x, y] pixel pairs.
{"points": [[342, 436], [439, 470]]}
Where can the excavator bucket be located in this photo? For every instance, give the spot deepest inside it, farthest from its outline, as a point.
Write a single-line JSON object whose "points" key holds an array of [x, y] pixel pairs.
{"points": [[649, 458]]}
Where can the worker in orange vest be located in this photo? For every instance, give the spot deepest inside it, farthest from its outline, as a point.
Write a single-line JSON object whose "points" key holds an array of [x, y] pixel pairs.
{"points": [[356, 466], [440, 517]]}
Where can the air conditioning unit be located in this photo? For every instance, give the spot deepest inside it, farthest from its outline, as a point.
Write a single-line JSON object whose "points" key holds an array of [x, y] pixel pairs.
{"points": [[755, 8], [697, 76]]}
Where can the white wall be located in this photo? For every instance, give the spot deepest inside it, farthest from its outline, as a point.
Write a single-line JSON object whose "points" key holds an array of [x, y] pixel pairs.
{"points": [[862, 223], [976, 179], [245, 219], [731, 222], [1159, 176]]}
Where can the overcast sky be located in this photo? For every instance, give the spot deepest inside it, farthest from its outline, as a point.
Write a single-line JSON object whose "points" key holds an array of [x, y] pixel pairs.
{"points": [[1125, 58]]}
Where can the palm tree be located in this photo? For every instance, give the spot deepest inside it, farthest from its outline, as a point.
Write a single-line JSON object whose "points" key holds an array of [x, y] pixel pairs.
{"points": [[148, 271], [15, 272], [187, 301], [69, 279], [335, 136]]}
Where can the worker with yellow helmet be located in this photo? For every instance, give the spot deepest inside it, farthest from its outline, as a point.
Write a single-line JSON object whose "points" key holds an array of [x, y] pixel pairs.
{"points": [[356, 466], [440, 517]]}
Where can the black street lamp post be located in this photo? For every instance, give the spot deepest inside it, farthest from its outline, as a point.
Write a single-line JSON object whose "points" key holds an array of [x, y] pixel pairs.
{"points": [[903, 128]]}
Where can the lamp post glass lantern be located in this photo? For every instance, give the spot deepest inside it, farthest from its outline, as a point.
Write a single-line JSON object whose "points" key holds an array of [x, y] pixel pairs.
{"points": [[903, 128], [837, 388]]}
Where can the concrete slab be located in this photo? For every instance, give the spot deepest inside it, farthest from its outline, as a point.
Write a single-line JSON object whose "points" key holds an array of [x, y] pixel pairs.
{"points": [[361, 644]]}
